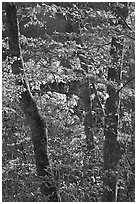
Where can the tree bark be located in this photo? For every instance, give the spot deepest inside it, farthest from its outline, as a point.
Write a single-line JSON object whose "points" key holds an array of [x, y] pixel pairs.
{"points": [[29, 107], [112, 152], [88, 126]]}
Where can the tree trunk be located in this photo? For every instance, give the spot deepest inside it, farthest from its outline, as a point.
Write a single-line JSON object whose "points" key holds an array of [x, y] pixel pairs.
{"points": [[88, 126], [85, 97], [29, 107], [112, 152]]}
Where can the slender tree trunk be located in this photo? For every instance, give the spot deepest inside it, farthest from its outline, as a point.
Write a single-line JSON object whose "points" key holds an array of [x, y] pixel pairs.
{"points": [[85, 97], [112, 152], [28, 106], [88, 126]]}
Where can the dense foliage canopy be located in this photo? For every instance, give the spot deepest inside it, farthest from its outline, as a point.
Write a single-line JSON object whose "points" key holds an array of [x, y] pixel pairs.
{"points": [[63, 44]]}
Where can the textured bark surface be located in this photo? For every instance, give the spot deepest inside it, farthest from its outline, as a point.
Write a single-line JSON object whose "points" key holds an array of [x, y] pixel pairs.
{"points": [[12, 25], [112, 152], [29, 107], [40, 143], [38, 130], [88, 126]]}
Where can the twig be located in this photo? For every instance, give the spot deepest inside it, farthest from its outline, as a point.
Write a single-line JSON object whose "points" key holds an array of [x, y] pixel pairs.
{"points": [[121, 18], [126, 84]]}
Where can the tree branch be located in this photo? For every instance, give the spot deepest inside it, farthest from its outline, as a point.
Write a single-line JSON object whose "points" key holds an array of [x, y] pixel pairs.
{"points": [[121, 18], [125, 84]]}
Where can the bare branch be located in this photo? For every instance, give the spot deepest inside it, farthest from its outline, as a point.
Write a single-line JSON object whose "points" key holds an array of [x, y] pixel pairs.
{"points": [[126, 84]]}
